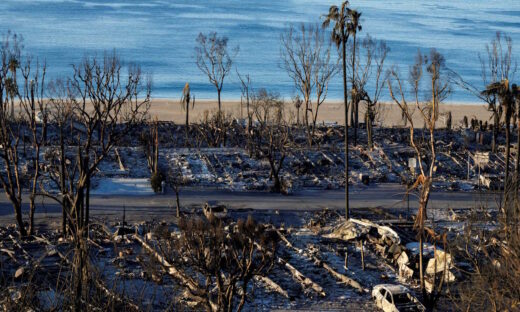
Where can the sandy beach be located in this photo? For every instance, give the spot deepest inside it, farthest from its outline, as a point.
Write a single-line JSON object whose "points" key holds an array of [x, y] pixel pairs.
{"points": [[170, 110]]}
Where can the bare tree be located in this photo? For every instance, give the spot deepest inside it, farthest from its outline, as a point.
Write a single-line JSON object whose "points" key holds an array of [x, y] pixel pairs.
{"points": [[272, 135], [370, 67], [21, 172], [32, 104], [214, 59], [101, 103], [105, 107], [247, 94], [60, 102], [432, 69], [306, 58]]}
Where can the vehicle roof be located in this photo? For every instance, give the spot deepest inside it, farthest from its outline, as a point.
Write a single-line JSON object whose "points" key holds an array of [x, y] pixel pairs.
{"points": [[394, 289]]}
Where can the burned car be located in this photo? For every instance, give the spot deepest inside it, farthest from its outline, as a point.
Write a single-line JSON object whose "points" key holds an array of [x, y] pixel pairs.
{"points": [[395, 298]]}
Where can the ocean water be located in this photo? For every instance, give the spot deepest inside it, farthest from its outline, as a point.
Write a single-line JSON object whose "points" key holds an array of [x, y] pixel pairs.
{"points": [[160, 35]]}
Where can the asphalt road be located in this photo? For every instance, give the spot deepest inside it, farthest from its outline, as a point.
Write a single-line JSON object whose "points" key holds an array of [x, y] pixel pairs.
{"points": [[160, 206]]}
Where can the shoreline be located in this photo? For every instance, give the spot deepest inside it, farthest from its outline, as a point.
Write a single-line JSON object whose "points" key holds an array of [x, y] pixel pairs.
{"points": [[169, 109]]}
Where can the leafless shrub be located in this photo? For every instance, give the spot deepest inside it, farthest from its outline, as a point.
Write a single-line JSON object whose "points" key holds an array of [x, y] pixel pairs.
{"points": [[213, 128], [223, 259], [272, 136], [490, 278], [150, 142]]}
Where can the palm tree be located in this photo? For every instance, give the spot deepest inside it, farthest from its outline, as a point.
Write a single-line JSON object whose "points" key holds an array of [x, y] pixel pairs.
{"points": [[506, 96], [340, 17], [353, 27], [185, 105]]}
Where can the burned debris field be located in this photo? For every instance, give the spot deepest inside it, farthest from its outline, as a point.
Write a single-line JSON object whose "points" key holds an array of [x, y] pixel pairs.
{"points": [[317, 258], [349, 178]]}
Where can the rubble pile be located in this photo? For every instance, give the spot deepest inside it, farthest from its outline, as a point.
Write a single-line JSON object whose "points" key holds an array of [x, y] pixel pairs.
{"points": [[387, 245]]}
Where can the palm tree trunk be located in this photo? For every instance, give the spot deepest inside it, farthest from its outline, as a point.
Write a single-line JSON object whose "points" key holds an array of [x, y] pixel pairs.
{"points": [[345, 95], [12, 101], [354, 100], [187, 114], [187, 122]]}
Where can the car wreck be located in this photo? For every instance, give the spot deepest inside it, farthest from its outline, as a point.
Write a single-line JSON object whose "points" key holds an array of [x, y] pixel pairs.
{"points": [[395, 298]]}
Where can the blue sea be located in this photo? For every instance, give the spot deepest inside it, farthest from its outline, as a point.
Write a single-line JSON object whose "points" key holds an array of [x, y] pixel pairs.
{"points": [[160, 35]]}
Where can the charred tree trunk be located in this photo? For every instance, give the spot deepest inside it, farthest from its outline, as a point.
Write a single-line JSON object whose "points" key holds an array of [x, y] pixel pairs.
{"points": [[156, 147], [277, 185], [517, 165], [177, 202], [65, 202], [507, 180], [32, 208], [80, 272], [419, 223], [87, 200], [275, 174], [421, 270], [345, 96], [187, 130], [219, 103], [19, 220], [368, 122], [355, 91], [496, 126]]}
